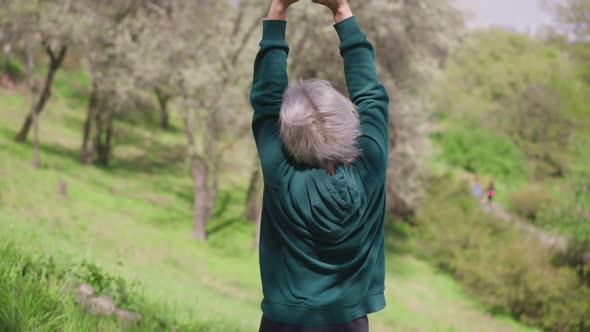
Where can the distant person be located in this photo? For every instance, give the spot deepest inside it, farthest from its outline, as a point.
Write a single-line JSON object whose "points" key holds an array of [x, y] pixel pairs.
{"points": [[476, 188], [324, 162], [491, 191]]}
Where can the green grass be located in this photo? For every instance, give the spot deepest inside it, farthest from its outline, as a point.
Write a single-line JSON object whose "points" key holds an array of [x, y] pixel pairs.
{"points": [[36, 295], [133, 220], [32, 301]]}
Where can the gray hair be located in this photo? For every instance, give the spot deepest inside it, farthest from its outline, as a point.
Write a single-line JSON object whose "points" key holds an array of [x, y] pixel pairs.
{"points": [[318, 125]]}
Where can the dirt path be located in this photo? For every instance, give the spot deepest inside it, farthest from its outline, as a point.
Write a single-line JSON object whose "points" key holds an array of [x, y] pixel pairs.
{"points": [[550, 240]]}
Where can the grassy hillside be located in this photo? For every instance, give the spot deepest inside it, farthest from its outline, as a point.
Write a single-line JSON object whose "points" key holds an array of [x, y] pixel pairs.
{"points": [[513, 109], [516, 109], [133, 220]]}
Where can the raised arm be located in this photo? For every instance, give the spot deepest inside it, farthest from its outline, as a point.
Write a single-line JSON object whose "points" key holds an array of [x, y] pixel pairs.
{"points": [[364, 88], [366, 92], [269, 84]]}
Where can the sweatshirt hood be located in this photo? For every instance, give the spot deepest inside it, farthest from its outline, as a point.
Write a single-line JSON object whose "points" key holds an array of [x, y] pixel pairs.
{"points": [[328, 206]]}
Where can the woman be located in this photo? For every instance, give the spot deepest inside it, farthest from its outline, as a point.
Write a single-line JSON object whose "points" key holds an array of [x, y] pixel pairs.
{"points": [[491, 192]]}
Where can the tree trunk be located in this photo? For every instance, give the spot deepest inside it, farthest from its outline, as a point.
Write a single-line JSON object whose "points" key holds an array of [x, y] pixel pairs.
{"points": [[199, 175], [54, 64], [102, 142], [105, 155], [214, 158], [7, 51], [164, 113], [258, 225], [33, 90], [200, 198], [36, 156], [253, 196], [98, 130], [212, 195], [86, 153]]}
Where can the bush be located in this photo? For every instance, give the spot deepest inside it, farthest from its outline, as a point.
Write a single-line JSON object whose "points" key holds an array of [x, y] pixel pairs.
{"points": [[569, 219], [104, 283], [530, 200], [479, 151], [509, 273], [11, 68], [571, 216]]}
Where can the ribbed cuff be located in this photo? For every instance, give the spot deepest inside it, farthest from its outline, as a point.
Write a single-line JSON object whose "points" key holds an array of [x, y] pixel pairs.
{"points": [[274, 30], [348, 28]]}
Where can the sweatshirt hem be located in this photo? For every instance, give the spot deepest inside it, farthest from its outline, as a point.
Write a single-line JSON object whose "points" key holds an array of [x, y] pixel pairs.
{"points": [[301, 315]]}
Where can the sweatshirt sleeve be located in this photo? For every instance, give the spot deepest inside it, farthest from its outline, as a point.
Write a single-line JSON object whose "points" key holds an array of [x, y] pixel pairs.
{"points": [[269, 84], [366, 92]]}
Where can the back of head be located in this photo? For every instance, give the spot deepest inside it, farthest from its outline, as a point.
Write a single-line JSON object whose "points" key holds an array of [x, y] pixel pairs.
{"points": [[318, 125]]}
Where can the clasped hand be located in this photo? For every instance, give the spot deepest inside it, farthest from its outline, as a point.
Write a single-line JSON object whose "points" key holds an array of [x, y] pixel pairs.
{"points": [[333, 5], [339, 8]]}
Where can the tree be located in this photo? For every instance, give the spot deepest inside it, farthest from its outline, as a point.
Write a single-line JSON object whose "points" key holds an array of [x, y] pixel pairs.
{"points": [[254, 193], [51, 23], [412, 40], [32, 84], [193, 57], [163, 102], [34, 22], [520, 88], [573, 16], [110, 29], [539, 127], [573, 21]]}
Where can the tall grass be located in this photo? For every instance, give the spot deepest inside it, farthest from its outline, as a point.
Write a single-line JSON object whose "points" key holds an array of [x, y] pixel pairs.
{"points": [[33, 298], [38, 295]]}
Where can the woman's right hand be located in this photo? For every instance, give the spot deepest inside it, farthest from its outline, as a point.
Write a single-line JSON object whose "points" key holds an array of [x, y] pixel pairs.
{"points": [[334, 5], [339, 8]]}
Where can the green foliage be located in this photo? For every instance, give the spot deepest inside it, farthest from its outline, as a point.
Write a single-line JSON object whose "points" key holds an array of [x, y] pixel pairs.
{"points": [[530, 200], [568, 218], [480, 151], [493, 260], [571, 213], [11, 67], [574, 17], [571, 216], [521, 88], [104, 283]]}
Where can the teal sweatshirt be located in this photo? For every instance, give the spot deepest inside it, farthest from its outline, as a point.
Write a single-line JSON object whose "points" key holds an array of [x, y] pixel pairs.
{"points": [[322, 258]]}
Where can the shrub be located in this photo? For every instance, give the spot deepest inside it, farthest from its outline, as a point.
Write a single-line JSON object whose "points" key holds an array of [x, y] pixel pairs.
{"points": [[509, 272], [567, 218], [479, 151], [530, 200], [104, 283], [571, 216], [11, 68]]}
